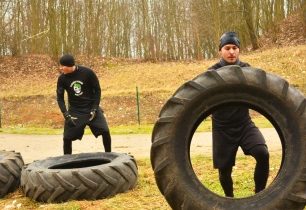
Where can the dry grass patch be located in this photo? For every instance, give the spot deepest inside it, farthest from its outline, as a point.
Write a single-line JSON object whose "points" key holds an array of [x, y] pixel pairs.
{"points": [[27, 89], [146, 194]]}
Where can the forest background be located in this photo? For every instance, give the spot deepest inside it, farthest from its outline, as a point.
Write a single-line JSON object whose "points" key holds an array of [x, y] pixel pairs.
{"points": [[153, 45], [143, 29]]}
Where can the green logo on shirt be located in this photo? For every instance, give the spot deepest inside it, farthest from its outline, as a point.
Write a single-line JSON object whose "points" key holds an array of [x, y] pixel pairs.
{"points": [[77, 87]]}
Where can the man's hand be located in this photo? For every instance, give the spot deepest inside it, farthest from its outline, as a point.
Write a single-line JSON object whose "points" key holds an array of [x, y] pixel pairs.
{"points": [[70, 119], [92, 114]]}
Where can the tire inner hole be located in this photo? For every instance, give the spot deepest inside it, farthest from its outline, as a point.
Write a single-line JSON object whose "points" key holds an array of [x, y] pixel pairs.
{"points": [[80, 164]]}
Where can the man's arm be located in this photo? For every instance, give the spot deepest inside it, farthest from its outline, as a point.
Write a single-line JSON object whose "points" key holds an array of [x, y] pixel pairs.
{"points": [[60, 96], [96, 95], [96, 90]]}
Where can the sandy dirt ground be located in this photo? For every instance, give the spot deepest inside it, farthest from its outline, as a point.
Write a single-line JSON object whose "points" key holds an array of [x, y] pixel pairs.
{"points": [[38, 147]]}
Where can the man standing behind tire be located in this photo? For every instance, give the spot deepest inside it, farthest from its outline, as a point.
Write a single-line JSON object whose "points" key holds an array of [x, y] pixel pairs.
{"points": [[232, 127], [84, 93]]}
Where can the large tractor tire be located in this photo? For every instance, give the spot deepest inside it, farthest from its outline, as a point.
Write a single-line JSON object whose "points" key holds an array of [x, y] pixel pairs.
{"points": [[87, 176], [11, 164], [270, 95]]}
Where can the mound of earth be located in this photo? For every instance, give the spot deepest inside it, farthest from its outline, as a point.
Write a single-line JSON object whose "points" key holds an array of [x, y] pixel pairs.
{"points": [[289, 32]]}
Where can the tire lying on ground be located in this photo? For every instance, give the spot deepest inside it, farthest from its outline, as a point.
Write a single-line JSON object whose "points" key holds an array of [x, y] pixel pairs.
{"points": [[86, 176], [270, 95], [11, 164]]}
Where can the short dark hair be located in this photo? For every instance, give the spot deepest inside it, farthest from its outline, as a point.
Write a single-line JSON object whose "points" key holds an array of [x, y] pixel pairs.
{"points": [[67, 60], [229, 38]]}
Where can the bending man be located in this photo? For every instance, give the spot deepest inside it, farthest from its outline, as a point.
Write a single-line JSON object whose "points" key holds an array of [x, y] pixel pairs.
{"points": [[84, 93]]}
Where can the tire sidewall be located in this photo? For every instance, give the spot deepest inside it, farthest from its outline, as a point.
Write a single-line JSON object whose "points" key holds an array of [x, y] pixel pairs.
{"points": [[85, 176]]}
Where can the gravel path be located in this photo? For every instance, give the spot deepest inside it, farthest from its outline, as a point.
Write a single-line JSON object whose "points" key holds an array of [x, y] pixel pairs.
{"points": [[37, 147]]}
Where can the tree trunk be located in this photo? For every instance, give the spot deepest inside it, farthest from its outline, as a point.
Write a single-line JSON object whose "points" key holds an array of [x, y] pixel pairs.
{"points": [[248, 16]]}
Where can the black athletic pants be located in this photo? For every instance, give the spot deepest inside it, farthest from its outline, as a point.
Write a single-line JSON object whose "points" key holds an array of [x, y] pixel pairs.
{"points": [[261, 155], [106, 138]]}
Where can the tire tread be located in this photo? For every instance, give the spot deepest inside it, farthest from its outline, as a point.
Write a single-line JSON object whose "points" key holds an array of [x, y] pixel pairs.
{"points": [[165, 161], [56, 185]]}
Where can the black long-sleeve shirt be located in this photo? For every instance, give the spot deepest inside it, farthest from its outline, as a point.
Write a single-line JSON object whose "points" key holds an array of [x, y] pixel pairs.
{"points": [[83, 89], [230, 116]]}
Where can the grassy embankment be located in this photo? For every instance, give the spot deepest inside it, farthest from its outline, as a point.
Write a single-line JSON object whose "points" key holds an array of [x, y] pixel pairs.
{"points": [[27, 91]]}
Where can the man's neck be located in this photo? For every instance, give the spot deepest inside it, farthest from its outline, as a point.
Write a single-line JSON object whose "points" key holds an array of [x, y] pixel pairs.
{"points": [[224, 63], [73, 69]]}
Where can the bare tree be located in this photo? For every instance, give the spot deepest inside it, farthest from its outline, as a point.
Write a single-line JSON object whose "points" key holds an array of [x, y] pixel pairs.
{"points": [[248, 16], [53, 34], [147, 29]]}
